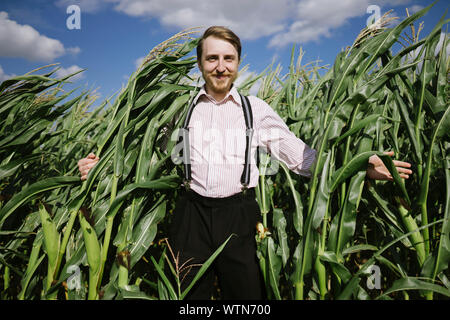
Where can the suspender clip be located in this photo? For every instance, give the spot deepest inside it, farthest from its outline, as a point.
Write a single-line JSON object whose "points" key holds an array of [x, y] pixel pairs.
{"points": [[187, 184]]}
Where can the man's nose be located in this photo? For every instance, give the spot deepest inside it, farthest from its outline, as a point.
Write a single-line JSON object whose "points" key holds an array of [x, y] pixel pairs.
{"points": [[221, 66]]}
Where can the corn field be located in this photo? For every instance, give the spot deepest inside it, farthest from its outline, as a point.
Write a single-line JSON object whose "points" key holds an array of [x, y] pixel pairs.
{"points": [[320, 238]]}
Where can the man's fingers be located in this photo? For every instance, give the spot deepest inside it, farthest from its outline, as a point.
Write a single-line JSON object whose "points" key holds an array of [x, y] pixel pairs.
{"points": [[403, 170], [85, 161], [88, 166], [85, 165], [91, 164], [402, 164], [397, 162]]}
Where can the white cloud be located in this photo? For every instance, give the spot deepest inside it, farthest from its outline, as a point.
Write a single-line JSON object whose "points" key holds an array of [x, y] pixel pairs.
{"points": [[63, 72], [73, 50], [26, 42], [391, 3], [89, 6], [413, 9], [319, 18], [138, 62], [4, 76], [284, 21], [249, 19]]}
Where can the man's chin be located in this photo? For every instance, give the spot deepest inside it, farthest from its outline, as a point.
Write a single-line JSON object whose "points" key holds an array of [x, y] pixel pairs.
{"points": [[222, 88]]}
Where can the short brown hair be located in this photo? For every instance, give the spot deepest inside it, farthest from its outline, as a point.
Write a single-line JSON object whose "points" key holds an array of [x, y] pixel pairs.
{"points": [[220, 33]]}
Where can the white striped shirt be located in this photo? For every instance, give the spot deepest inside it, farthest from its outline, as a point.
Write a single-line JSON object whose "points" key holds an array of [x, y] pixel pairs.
{"points": [[217, 143]]}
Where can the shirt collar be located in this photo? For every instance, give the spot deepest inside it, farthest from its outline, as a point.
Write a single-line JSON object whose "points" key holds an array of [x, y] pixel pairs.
{"points": [[233, 93]]}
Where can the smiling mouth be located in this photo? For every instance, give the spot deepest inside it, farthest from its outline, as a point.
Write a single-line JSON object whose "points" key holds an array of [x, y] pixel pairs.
{"points": [[220, 76]]}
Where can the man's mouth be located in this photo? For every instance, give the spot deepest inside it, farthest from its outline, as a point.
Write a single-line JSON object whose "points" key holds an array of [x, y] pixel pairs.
{"points": [[220, 76]]}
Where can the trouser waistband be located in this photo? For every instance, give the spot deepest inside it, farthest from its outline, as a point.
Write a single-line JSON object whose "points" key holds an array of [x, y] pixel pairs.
{"points": [[218, 202]]}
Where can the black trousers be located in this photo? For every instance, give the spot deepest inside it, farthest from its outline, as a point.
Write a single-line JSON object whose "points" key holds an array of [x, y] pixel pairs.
{"points": [[199, 226]]}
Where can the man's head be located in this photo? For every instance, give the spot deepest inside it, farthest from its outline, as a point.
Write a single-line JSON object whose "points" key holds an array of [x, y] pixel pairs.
{"points": [[219, 33], [218, 57]]}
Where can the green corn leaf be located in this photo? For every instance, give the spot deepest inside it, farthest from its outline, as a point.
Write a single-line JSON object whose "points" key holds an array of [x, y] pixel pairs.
{"points": [[279, 222], [174, 108], [204, 267], [119, 152], [51, 240], [354, 281], [395, 175], [298, 213], [146, 152], [359, 247], [411, 283], [92, 245], [145, 231], [164, 278], [33, 264], [33, 190], [168, 182], [443, 252], [358, 126], [274, 265], [337, 265], [358, 163], [442, 128], [11, 167], [133, 292], [322, 197]]}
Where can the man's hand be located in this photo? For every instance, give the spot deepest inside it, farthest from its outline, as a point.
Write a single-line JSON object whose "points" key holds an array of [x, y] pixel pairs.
{"points": [[378, 171], [85, 164]]}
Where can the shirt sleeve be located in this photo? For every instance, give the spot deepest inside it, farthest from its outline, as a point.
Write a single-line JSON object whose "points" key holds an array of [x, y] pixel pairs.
{"points": [[275, 136]]}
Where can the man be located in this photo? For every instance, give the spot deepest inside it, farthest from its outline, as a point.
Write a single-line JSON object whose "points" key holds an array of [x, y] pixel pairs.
{"points": [[214, 206]]}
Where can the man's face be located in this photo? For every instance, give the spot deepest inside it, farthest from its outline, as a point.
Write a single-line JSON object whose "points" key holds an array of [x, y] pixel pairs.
{"points": [[219, 66]]}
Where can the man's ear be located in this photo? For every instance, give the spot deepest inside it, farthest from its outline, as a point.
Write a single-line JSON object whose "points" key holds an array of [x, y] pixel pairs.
{"points": [[199, 65]]}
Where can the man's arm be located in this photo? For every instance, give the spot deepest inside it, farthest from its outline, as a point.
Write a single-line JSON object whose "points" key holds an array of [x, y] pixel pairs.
{"points": [[300, 158], [274, 135]]}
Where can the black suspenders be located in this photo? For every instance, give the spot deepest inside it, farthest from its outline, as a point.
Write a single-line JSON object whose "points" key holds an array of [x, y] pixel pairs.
{"points": [[248, 116]]}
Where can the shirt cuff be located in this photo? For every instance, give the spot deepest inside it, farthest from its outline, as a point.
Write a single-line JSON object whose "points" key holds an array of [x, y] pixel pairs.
{"points": [[308, 164]]}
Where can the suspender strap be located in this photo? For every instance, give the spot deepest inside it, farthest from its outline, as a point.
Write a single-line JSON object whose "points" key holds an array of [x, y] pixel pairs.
{"points": [[248, 116], [186, 145]]}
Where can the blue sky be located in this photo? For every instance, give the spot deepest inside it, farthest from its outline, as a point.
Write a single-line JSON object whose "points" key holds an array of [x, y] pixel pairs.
{"points": [[115, 34]]}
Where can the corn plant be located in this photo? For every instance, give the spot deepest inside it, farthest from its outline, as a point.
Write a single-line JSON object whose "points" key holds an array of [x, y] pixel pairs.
{"points": [[319, 237], [362, 106], [132, 175]]}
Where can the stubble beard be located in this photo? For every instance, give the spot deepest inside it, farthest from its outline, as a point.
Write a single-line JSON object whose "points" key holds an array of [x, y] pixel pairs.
{"points": [[220, 86]]}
